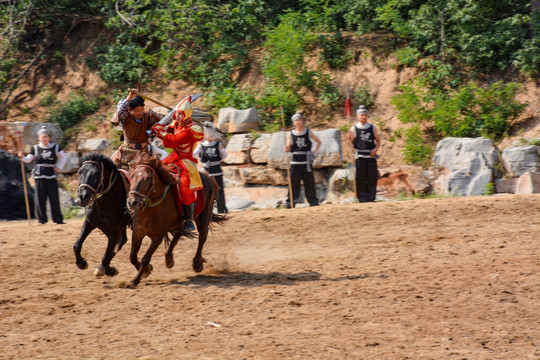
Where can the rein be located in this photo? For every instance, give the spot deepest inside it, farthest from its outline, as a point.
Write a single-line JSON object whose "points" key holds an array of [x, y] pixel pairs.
{"points": [[97, 193], [146, 201]]}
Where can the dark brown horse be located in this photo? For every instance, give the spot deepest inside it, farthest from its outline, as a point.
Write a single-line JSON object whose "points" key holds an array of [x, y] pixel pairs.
{"points": [[155, 213], [103, 194]]}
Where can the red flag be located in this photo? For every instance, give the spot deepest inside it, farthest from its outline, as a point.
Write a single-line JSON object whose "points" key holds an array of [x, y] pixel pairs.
{"points": [[348, 107]]}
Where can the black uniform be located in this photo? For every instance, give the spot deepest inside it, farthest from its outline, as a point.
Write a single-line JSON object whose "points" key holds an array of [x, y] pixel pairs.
{"points": [[366, 166], [211, 159], [301, 169], [46, 184]]}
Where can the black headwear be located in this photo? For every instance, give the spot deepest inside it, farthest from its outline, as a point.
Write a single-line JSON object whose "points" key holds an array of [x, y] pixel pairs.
{"points": [[136, 101]]}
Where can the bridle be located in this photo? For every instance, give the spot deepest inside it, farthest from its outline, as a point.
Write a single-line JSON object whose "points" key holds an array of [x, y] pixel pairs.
{"points": [[145, 198], [97, 193]]}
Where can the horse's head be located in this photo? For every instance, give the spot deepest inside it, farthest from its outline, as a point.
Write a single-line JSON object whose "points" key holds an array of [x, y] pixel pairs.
{"points": [[90, 181], [142, 184]]}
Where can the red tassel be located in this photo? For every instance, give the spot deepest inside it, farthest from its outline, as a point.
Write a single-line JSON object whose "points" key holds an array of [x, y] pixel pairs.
{"points": [[348, 107]]}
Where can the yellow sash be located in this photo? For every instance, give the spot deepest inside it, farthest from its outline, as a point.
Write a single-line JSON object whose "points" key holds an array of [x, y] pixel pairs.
{"points": [[194, 176]]}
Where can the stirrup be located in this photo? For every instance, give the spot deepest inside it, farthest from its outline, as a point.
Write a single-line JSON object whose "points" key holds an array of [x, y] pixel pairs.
{"points": [[189, 226]]}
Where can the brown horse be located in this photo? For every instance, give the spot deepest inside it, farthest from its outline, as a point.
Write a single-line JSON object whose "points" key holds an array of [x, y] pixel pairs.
{"points": [[155, 213]]}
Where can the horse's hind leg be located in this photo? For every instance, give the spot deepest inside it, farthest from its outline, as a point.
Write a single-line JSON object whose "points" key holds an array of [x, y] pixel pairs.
{"points": [[169, 259], [77, 247], [145, 268], [104, 268], [198, 259]]}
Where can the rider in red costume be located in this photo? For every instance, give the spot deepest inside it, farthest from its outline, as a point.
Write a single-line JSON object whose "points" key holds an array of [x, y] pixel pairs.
{"points": [[182, 136]]}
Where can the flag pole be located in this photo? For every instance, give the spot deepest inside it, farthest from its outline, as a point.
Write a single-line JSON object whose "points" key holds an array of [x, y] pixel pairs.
{"points": [[23, 174], [291, 197], [348, 113]]}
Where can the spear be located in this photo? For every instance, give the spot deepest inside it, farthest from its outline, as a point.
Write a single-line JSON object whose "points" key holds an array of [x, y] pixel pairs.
{"points": [[171, 110], [291, 197], [348, 114], [23, 174]]}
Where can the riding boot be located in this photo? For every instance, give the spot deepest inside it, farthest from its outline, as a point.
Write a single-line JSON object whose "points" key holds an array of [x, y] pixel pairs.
{"points": [[188, 214]]}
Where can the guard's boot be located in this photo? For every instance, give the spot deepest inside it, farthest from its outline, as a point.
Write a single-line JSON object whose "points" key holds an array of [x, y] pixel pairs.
{"points": [[188, 214]]}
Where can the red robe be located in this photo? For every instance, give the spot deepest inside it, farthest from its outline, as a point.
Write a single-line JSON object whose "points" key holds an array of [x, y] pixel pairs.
{"points": [[183, 139]]}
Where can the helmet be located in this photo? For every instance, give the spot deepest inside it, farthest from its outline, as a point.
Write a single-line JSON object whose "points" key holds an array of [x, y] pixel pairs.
{"points": [[183, 106]]}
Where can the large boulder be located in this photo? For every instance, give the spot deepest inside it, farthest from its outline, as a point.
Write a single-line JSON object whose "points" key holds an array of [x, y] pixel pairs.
{"points": [[261, 175], [521, 159], [238, 149], [236, 121], [255, 196], [340, 185], [528, 183], [330, 151], [277, 157], [93, 145], [329, 154], [29, 132], [259, 149], [12, 204], [470, 163], [235, 203], [72, 163]]}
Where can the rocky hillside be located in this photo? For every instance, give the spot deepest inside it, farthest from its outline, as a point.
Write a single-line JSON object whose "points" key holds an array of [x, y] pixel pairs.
{"points": [[369, 69]]}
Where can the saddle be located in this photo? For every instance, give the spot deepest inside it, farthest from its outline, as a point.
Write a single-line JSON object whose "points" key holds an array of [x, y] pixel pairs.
{"points": [[199, 194], [125, 179]]}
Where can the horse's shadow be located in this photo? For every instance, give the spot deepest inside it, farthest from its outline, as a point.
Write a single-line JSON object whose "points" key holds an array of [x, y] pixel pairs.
{"points": [[252, 280]]}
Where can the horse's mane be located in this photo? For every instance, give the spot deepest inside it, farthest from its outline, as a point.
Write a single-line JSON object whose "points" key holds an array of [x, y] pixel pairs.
{"points": [[99, 158], [154, 162]]}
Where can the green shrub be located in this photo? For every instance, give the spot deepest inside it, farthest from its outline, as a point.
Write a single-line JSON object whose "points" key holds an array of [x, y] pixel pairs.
{"points": [[269, 104], [232, 96], [328, 93], [468, 111], [407, 56], [68, 114], [362, 96], [286, 46], [489, 189], [333, 50], [416, 149], [120, 63]]}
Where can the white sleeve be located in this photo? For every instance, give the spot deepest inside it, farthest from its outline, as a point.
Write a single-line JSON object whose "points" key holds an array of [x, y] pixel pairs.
{"points": [[62, 157], [28, 158], [197, 150], [222, 151]]}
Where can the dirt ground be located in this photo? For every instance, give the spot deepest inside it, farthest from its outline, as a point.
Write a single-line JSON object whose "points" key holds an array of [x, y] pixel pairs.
{"points": [[449, 278]]}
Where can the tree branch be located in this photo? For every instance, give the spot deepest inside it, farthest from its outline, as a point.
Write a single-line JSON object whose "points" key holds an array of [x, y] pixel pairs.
{"points": [[120, 14]]}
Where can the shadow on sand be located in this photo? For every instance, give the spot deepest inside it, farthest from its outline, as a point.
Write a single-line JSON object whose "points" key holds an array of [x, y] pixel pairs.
{"points": [[250, 280]]}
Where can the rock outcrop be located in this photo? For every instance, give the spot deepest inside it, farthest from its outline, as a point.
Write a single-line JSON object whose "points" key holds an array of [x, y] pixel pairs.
{"points": [[470, 164]]}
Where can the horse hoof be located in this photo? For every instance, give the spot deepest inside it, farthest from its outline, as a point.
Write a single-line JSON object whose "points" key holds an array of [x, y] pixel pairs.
{"points": [[83, 265], [198, 267], [131, 285], [169, 261], [112, 271], [148, 271], [100, 271]]}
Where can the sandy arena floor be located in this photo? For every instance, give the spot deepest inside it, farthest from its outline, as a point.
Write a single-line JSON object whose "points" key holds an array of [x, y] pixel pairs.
{"points": [[453, 278]]}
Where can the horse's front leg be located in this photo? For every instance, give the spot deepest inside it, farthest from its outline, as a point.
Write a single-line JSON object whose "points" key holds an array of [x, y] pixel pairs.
{"points": [[77, 247], [104, 268], [169, 259], [123, 239], [145, 268], [136, 241]]}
